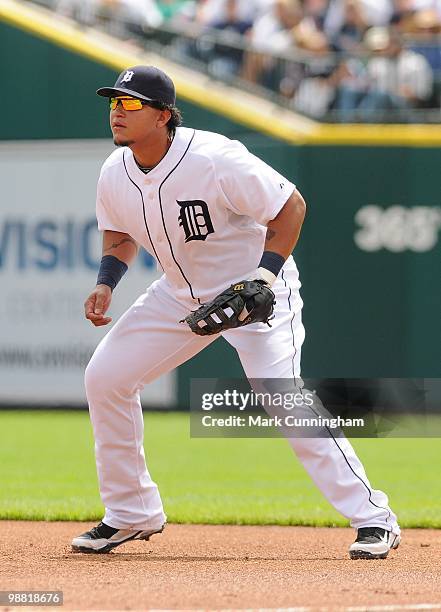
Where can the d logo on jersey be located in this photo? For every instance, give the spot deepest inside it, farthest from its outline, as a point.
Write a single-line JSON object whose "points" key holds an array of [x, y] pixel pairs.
{"points": [[194, 219]]}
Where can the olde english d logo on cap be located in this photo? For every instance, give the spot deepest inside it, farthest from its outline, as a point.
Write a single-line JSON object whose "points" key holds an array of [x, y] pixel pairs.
{"points": [[128, 76]]}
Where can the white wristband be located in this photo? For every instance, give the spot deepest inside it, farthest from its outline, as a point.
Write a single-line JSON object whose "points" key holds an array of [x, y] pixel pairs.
{"points": [[264, 274]]}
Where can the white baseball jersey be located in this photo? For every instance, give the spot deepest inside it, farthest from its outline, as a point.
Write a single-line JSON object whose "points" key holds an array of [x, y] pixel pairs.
{"points": [[201, 212]]}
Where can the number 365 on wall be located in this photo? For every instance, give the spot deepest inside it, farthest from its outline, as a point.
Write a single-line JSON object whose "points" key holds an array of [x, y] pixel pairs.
{"points": [[397, 228]]}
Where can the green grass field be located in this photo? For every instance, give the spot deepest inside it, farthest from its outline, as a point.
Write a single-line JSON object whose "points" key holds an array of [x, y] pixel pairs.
{"points": [[47, 472]]}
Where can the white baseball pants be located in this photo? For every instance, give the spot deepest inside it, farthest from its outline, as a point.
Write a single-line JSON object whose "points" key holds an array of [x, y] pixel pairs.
{"points": [[148, 341]]}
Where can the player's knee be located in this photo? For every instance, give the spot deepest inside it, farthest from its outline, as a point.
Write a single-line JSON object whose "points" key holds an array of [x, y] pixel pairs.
{"points": [[106, 380], [96, 379]]}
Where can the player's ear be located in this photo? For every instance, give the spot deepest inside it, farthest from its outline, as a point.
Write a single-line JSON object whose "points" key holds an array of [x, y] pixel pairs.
{"points": [[163, 118]]}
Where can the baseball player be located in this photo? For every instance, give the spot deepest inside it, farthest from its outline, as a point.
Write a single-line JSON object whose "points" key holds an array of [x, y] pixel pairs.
{"points": [[222, 225]]}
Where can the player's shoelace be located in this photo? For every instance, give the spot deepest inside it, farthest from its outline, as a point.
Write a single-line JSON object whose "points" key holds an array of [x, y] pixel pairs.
{"points": [[101, 531], [370, 534]]}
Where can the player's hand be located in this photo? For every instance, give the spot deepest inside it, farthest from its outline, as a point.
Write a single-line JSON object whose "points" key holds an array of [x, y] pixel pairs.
{"points": [[97, 304]]}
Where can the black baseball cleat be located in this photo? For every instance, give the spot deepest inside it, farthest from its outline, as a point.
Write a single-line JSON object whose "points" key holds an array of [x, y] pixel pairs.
{"points": [[102, 538], [373, 543]]}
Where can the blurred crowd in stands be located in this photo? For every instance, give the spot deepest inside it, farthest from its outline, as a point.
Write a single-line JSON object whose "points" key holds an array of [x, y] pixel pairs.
{"points": [[358, 58]]}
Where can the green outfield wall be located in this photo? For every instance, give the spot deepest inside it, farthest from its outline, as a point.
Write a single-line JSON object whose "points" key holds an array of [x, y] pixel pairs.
{"points": [[370, 251]]}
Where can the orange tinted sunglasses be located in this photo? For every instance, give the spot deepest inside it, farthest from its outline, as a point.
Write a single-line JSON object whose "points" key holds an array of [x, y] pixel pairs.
{"points": [[128, 104]]}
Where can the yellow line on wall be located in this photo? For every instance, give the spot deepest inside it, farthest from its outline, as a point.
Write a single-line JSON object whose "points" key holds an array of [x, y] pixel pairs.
{"points": [[261, 116]]}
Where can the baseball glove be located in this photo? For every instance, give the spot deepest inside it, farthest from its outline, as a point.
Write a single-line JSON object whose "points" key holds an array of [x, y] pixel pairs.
{"points": [[226, 310]]}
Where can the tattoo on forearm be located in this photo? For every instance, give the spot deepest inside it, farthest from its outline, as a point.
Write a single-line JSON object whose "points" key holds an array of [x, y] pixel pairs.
{"points": [[270, 234], [115, 245]]}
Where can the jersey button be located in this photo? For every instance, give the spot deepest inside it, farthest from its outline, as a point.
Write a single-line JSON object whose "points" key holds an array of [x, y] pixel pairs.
{"points": [[151, 196], [148, 182]]}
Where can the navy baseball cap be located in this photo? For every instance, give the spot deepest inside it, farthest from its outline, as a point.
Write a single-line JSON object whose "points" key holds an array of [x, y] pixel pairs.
{"points": [[144, 82]]}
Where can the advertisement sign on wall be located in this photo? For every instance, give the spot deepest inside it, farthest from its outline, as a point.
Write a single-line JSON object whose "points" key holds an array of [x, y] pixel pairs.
{"points": [[50, 251]]}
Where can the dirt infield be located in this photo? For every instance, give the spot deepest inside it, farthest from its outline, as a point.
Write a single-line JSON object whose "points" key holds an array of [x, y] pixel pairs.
{"points": [[223, 567]]}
